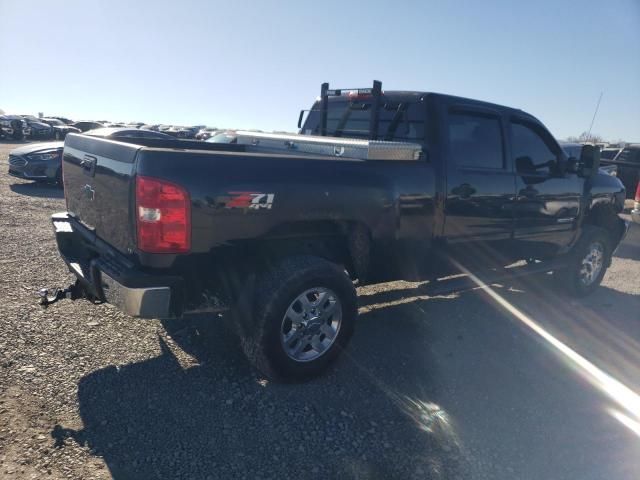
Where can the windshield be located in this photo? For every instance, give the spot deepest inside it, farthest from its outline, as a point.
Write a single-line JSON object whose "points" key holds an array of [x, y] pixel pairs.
{"points": [[572, 150], [402, 121]]}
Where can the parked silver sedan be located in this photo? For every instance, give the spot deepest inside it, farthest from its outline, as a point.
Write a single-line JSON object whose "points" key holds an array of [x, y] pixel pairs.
{"points": [[41, 162]]}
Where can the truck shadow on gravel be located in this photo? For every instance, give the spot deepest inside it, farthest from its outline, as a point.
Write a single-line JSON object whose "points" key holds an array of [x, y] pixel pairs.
{"points": [[38, 190], [630, 252], [389, 409], [630, 248], [372, 416]]}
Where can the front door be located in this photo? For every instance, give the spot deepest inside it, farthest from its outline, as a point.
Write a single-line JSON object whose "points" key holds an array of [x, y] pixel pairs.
{"points": [[547, 204]]}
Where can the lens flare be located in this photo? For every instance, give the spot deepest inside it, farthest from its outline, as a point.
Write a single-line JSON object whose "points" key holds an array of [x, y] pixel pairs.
{"points": [[622, 395]]}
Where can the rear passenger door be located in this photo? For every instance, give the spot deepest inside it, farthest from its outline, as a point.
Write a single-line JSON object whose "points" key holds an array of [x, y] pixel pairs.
{"points": [[547, 204], [480, 181]]}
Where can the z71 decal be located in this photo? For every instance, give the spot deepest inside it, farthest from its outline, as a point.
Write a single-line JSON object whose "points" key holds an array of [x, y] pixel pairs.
{"points": [[253, 200]]}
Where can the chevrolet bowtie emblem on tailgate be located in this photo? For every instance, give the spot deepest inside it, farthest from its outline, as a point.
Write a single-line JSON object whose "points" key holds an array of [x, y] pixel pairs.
{"points": [[89, 192]]}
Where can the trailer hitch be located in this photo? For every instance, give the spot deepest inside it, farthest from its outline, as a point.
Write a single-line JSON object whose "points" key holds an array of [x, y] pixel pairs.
{"points": [[48, 296]]}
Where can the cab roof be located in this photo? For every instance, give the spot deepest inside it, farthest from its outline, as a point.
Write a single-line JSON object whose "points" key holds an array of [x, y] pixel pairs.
{"points": [[413, 95]]}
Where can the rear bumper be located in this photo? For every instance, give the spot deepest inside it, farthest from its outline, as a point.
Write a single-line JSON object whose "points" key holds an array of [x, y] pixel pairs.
{"points": [[107, 275], [635, 213], [144, 302]]}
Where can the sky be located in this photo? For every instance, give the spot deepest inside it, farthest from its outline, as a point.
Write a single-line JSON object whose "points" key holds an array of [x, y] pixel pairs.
{"points": [[255, 64]]}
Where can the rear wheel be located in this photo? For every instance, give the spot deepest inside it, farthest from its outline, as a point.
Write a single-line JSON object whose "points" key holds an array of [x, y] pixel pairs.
{"points": [[303, 315], [587, 262]]}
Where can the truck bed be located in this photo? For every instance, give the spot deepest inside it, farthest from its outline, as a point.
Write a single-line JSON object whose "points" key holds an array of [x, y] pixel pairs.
{"points": [[239, 196]]}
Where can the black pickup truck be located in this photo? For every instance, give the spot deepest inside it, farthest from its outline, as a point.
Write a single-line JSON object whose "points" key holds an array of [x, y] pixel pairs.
{"points": [[278, 228]]}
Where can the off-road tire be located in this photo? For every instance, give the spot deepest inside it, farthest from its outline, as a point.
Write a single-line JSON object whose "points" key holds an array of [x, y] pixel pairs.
{"points": [[569, 277], [262, 318]]}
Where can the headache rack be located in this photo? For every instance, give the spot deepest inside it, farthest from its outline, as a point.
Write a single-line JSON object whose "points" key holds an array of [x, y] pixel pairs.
{"points": [[347, 148], [375, 93], [371, 149]]}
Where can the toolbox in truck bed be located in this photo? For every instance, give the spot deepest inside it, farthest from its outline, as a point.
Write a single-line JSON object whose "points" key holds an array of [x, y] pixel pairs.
{"points": [[331, 146]]}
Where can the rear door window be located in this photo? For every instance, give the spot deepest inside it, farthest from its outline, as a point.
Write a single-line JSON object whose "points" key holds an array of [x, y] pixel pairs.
{"points": [[475, 141]]}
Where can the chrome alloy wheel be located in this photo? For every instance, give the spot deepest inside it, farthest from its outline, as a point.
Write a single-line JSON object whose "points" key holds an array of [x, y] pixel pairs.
{"points": [[592, 264], [311, 324]]}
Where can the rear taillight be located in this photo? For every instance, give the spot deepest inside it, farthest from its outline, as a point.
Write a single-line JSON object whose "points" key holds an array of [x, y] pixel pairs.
{"points": [[163, 216], [638, 193]]}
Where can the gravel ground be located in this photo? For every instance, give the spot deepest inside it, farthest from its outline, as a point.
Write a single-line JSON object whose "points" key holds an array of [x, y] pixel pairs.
{"points": [[431, 387]]}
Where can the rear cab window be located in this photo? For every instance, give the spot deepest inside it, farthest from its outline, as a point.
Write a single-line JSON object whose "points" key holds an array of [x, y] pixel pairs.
{"points": [[398, 120]]}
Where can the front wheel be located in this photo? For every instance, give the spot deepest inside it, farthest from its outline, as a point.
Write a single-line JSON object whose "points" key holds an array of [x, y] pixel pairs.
{"points": [[304, 313], [587, 262]]}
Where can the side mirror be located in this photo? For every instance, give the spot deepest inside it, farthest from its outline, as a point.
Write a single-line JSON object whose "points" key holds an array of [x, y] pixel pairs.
{"points": [[589, 160], [526, 169], [572, 165], [560, 165], [525, 165]]}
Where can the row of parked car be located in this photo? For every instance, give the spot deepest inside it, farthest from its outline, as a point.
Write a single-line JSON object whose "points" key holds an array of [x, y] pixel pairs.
{"points": [[18, 127], [42, 161]]}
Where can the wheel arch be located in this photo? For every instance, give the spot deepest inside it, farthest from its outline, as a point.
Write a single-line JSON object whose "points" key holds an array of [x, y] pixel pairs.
{"points": [[233, 268], [343, 242], [605, 216]]}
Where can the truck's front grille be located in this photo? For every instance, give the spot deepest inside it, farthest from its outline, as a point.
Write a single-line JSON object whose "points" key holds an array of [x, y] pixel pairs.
{"points": [[17, 161]]}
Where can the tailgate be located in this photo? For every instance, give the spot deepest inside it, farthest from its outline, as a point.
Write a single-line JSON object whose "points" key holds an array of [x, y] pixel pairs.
{"points": [[99, 187]]}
